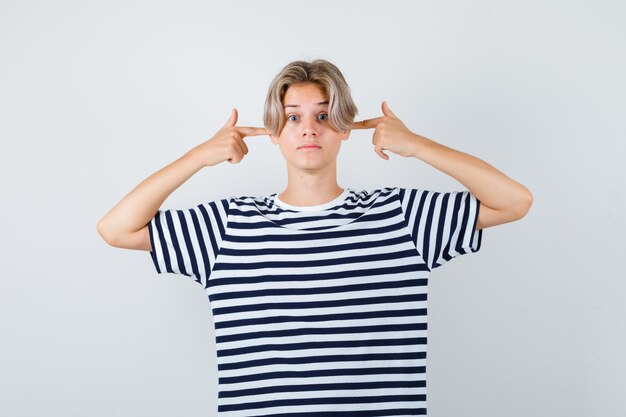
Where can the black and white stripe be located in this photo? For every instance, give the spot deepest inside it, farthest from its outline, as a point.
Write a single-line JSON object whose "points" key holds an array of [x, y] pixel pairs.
{"points": [[319, 312], [442, 225], [187, 241]]}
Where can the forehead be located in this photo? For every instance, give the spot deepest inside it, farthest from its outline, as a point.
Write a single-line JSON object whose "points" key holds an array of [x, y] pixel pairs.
{"points": [[304, 95]]}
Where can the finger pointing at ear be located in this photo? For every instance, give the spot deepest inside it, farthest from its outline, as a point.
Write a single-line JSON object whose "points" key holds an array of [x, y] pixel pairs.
{"points": [[367, 123], [252, 131], [227, 144], [390, 134]]}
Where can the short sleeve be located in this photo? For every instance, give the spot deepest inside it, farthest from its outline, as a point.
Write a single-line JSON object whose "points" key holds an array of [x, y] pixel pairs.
{"points": [[442, 224], [187, 241]]}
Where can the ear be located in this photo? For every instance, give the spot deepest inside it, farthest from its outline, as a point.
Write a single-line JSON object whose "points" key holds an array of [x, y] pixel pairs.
{"points": [[345, 135], [273, 138]]}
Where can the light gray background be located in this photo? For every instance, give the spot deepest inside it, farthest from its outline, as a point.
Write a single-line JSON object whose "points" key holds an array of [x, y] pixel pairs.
{"points": [[96, 96]]}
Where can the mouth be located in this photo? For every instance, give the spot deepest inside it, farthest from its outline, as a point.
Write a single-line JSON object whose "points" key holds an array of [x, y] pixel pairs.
{"points": [[309, 147]]}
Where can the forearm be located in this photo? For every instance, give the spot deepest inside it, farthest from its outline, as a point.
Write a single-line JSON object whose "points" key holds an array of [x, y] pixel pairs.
{"points": [[139, 206], [493, 188]]}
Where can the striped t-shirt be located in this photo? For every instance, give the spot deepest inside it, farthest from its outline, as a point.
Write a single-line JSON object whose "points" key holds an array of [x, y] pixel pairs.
{"points": [[321, 310]]}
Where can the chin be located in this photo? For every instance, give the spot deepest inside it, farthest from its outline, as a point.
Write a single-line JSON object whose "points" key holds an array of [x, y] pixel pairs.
{"points": [[309, 165]]}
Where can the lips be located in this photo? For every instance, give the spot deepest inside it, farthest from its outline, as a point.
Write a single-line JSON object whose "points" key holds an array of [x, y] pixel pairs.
{"points": [[310, 146]]}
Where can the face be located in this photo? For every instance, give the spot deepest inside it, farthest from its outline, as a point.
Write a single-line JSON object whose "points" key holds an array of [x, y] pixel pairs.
{"points": [[307, 123]]}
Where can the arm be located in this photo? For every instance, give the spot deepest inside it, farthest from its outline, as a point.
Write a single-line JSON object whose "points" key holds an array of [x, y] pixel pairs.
{"points": [[502, 199], [126, 224]]}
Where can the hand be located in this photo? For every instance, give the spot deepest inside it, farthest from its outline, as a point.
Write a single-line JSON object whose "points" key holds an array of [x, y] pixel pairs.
{"points": [[227, 144], [390, 134]]}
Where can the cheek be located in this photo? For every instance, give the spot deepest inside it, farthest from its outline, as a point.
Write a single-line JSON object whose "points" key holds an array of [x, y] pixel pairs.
{"points": [[286, 133]]}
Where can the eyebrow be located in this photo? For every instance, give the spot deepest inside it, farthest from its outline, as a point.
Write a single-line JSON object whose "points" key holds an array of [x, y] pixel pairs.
{"points": [[297, 105]]}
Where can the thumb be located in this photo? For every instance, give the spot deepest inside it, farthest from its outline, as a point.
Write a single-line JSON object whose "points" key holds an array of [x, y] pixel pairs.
{"points": [[387, 111], [232, 120]]}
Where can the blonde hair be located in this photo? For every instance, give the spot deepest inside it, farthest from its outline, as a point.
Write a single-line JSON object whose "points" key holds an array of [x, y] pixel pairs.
{"points": [[341, 107]]}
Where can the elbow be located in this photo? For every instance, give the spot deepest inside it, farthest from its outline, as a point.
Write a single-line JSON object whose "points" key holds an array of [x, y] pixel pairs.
{"points": [[523, 207], [104, 233]]}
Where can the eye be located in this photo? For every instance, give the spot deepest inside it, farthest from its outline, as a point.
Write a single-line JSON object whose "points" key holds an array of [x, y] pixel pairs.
{"points": [[322, 116]]}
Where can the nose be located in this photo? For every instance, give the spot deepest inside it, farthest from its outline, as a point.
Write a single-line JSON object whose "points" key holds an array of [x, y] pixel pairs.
{"points": [[309, 126]]}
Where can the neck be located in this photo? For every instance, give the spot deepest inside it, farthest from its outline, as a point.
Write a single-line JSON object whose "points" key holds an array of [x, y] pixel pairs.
{"points": [[306, 188]]}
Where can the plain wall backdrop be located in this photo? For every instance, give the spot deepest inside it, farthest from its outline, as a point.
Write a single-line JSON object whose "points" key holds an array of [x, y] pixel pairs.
{"points": [[95, 96]]}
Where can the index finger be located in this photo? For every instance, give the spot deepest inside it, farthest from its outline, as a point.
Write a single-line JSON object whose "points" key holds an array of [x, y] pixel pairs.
{"points": [[252, 131], [367, 123]]}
